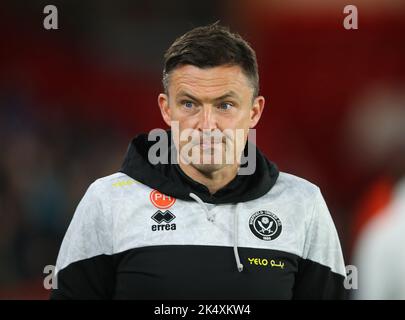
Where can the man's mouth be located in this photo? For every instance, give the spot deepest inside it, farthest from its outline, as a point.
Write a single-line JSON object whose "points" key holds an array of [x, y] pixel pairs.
{"points": [[209, 145]]}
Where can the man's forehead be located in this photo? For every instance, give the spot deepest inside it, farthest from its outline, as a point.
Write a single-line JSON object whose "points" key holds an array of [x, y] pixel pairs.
{"points": [[227, 94], [215, 79]]}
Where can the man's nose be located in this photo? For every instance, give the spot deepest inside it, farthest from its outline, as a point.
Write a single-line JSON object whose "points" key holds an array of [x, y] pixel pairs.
{"points": [[207, 119]]}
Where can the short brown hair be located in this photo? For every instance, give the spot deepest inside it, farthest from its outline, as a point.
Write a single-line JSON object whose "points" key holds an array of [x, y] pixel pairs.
{"points": [[211, 46]]}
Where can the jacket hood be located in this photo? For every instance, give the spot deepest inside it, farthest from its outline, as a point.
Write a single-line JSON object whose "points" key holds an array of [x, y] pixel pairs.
{"points": [[169, 179]]}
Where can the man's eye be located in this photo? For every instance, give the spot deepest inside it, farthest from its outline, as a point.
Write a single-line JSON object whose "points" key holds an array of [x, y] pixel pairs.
{"points": [[225, 106], [188, 104]]}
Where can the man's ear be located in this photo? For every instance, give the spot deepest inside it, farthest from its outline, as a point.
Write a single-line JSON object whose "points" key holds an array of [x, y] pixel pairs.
{"points": [[256, 111], [163, 102]]}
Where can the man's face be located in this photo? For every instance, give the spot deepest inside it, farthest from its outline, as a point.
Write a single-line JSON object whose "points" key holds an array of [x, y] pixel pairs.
{"points": [[211, 100]]}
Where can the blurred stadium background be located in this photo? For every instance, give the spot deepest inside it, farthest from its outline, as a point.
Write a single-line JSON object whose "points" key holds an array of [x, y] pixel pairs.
{"points": [[72, 98]]}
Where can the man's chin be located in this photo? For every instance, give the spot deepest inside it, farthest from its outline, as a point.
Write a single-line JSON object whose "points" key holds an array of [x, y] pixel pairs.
{"points": [[208, 168]]}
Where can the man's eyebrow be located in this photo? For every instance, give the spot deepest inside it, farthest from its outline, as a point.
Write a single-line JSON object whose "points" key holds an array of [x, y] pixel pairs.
{"points": [[188, 95], [229, 94]]}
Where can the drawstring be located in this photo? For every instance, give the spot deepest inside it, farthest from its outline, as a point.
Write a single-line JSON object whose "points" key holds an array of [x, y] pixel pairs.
{"points": [[196, 198], [211, 219], [235, 242]]}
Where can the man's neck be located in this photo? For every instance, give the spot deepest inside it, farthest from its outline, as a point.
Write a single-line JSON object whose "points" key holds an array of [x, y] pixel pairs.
{"points": [[215, 180]]}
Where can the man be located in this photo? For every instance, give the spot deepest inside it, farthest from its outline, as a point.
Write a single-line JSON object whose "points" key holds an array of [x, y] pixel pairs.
{"points": [[192, 229]]}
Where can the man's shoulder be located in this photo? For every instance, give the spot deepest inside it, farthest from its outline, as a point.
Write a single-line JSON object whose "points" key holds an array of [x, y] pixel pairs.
{"points": [[292, 183], [117, 179], [113, 184]]}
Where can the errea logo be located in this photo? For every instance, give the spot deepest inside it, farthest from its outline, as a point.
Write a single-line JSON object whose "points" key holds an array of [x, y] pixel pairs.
{"points": [[165, 217]]}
